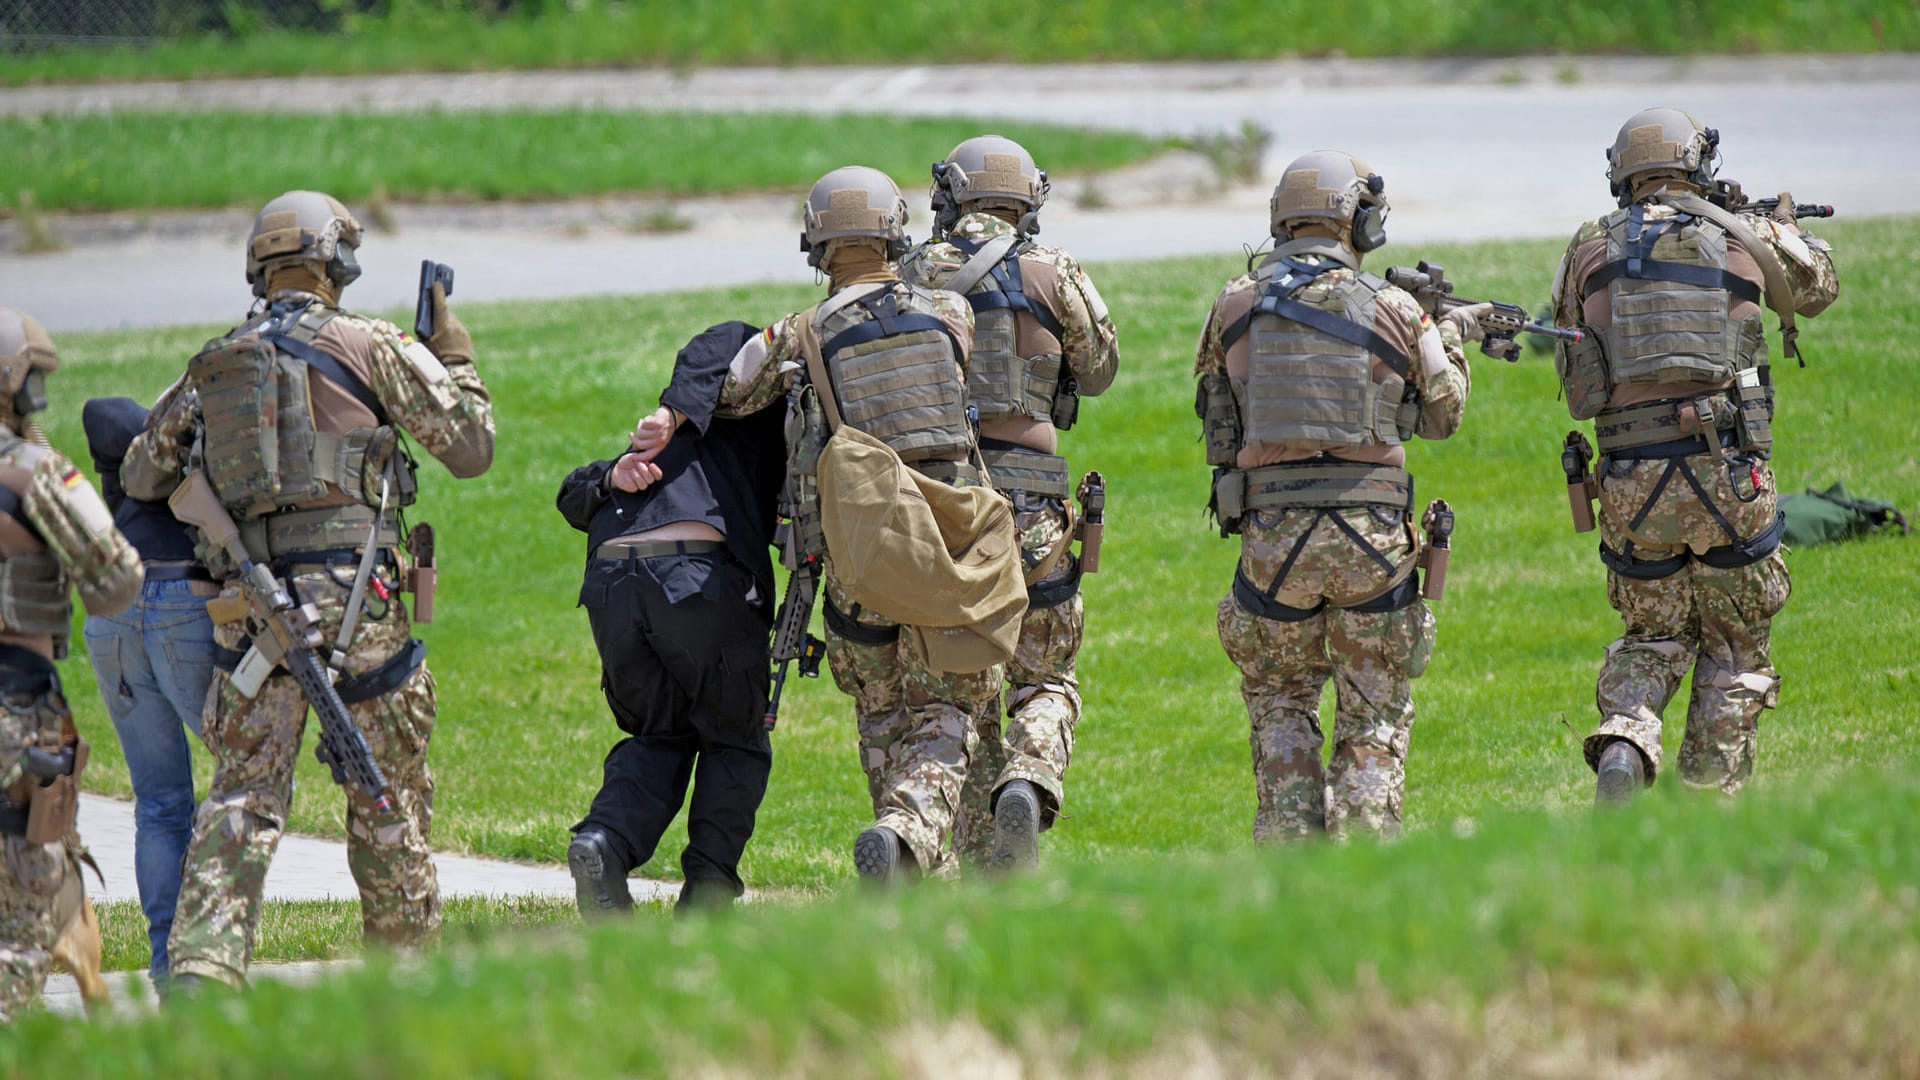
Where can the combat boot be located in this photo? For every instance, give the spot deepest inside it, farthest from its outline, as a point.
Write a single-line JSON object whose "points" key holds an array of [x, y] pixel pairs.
{"points": [[1016, 828], [880, 856], [1621, 775], [598, 888]]}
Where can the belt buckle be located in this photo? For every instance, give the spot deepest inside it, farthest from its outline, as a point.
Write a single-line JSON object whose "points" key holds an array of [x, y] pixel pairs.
{"points": [[1697, 417]]}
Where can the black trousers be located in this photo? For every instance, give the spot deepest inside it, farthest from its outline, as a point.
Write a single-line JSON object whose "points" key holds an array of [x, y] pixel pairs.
{"points": [[683, 657]]}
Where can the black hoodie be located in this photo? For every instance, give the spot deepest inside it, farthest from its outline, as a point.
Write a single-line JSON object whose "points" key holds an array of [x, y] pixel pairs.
{"points": [[111, 424]]}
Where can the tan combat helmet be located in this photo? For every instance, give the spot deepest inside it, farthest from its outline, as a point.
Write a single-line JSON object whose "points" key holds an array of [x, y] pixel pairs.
{"points": [[1334, 187], [988, 171], [26, 355], [851, 201], [1662, 141], [307, 225]]}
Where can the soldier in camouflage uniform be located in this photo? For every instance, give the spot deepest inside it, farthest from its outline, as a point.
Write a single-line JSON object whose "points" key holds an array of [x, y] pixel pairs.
{"points": [[1312, 374], [55, 534], [896, 354], [342, 473], [1673, 369], [1042, 340]]}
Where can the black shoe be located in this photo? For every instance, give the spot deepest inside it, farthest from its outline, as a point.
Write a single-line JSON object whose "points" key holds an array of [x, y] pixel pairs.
{"points": [[1016, 828], [1622, 773], [598, 887], [879, 855]]}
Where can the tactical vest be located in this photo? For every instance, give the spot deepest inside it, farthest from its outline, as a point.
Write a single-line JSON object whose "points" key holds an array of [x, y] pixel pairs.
{"points": [[259, 440], [1311, 380], [1671, 295], [896, 376], [1000, 381], [36, 598]]}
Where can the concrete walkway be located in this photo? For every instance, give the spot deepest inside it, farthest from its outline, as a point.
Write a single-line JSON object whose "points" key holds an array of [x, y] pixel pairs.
{"points": [[1470, 150]]}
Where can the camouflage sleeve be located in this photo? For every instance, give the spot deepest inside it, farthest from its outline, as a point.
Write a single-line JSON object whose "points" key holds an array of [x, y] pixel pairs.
{"points": [[157, 457], [1566, 291], [763, 370], [1808, 261], [1089, 342], [1210, 355], [952, 308], [69, 515], [444, 406], [1439, 371]]}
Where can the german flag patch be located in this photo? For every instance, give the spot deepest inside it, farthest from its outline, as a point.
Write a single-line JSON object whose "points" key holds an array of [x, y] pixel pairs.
{"points": [[72, 479]]}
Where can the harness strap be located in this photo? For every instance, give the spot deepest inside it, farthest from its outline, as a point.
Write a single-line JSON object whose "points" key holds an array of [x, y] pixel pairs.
{"points": [[1724, 557], [849, 627], [1052, 593], [981, 260], [298, 340], [1686, 473], [386, 678], [1005, 270], [1280, 575], [1325, 484], [1277, 301], [1779, 291]]}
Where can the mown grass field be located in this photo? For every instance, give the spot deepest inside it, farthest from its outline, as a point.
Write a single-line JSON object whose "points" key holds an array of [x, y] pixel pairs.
{"points": [[214, 159], [432, 36], [1162, 762], [1779, 935]]}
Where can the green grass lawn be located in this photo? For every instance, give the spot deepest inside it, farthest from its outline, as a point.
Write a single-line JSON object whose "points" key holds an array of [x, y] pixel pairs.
{"points": [[1162, 762], [443, 37], [213, 159], [1686, 936]]}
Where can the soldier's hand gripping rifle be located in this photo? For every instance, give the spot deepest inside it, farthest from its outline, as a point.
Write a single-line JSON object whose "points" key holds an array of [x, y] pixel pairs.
{"points": [[791, 641], [1429, 285], [1726, 195], [284, 635]]}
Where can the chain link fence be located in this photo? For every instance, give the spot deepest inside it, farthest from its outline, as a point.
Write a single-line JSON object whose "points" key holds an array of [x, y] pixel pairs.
{"points": [[35, 25]]}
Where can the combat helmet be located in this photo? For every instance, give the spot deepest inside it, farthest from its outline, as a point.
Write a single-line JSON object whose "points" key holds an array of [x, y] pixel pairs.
{"points": [[307, 225], [1662, 140], [1336, 187], [850, 201], [989, 171], [26, 355]]}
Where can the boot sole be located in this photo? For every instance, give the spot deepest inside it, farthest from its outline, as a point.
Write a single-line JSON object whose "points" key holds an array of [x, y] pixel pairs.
{"points": [[590, 891], [1016, 835], [876, 855]]}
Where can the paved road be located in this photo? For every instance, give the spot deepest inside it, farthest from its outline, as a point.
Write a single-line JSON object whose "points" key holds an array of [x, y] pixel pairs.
{"points": [[1470, 150]]}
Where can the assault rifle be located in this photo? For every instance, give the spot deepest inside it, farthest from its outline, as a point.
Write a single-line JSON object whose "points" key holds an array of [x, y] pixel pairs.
{"points": [[791, 641], [1726, 195], [284, 635], [1429, 285]]}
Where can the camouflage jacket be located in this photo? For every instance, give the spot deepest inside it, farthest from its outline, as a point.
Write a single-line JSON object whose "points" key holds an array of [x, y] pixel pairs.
{"points": [[764, 369], [1439, 368], [1088, 341], [445, 408]]}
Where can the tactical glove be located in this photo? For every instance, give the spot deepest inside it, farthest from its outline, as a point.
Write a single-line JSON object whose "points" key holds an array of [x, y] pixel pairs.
{"points": [[1466, 320], [450, 341]]}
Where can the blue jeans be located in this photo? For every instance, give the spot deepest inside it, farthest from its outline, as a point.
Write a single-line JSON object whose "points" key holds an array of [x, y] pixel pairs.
{"points": [[154, 663]]}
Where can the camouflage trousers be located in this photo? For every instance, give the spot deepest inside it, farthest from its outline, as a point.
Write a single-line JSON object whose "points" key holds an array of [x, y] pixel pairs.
{"points": [[1717, 621], [30, 883], [917, 731], [1042, 694], [255, 744], [1373, 656]]}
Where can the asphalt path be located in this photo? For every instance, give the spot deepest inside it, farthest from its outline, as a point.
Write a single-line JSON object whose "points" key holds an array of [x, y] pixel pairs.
{"points": [[1470, 150]]}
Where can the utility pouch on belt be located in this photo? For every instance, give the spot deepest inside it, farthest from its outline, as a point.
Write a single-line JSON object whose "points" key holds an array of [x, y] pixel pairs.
{"points": [[1229, 503], [1755, 402], [422, 579], [1576, 461], [1220, 419], [1438, 522], [1583, 372]]}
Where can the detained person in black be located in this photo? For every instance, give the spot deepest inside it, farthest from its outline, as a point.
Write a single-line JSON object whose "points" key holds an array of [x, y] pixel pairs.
{"points": [[679, 590]]}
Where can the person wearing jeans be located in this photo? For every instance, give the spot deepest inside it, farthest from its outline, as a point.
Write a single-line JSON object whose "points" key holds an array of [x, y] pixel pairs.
{"points": [[153, 663]]}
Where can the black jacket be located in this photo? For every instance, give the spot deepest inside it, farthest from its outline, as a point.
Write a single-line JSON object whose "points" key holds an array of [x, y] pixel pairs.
{"points": [[723, 472], [111, 424]]}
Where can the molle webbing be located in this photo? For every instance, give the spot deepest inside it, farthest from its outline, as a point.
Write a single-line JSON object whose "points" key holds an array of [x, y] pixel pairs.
{"points": [[1001, 381], [1311, 372], [897, 377], [1020, 469], [954, 473], [1671, 317], [297, 335], [1659, 422], [328, 528], [1318, 484]]}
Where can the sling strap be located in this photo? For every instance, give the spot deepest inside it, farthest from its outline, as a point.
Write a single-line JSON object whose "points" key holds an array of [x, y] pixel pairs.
{"points": [[1277, 300], [1004, 269]]}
